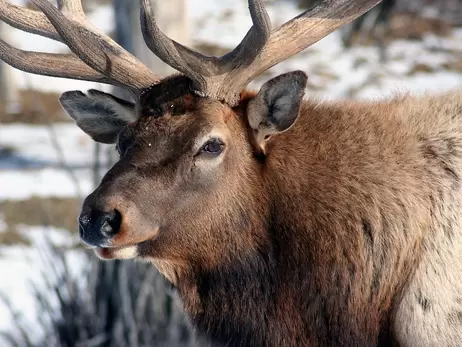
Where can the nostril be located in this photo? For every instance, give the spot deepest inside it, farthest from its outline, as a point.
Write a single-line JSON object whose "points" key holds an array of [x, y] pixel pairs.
{"points": [[97, 227], [110, 223], [84, 219]]}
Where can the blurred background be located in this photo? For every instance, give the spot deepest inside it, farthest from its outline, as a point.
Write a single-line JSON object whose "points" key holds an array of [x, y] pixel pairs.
{"points": [[52, 292]]}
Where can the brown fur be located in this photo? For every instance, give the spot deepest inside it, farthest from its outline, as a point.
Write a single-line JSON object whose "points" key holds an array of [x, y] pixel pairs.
{"points": [[321, 236]]}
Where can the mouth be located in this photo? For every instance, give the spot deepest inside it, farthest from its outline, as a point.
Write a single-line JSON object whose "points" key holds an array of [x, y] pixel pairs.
{"points": [[122, 248], [120, 252]]}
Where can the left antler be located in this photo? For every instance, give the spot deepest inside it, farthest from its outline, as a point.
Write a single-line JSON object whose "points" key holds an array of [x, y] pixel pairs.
{"points": [[96, 56]]}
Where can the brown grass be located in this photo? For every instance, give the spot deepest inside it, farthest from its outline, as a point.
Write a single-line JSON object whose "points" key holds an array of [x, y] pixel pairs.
{"points": [[12, 237], [420, 68], [37, 108], [409, 26], [50, 211], [455, 65], [406, 26]]}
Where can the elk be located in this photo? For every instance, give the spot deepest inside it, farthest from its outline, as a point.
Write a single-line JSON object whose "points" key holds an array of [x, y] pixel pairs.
{"points": [[279, 221]]}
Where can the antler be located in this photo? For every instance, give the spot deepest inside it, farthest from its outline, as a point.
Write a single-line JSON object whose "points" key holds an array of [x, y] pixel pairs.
{"points": [[223, 78], [96, 56], [200, 68]]}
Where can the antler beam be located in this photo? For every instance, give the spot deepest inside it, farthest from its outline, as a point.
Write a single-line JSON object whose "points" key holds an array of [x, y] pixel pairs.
{"points": [[298, 34]]}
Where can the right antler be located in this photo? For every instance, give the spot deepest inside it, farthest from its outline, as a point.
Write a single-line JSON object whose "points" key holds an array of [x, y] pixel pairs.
{"points": [[96, 56]]}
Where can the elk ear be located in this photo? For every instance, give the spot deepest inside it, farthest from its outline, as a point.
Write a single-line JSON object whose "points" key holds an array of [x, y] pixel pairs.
{"points": [[100, 115], [275, 108]]}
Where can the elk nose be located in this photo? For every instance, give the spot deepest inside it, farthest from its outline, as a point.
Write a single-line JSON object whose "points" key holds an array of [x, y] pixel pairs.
{"points": [[97, 228]]}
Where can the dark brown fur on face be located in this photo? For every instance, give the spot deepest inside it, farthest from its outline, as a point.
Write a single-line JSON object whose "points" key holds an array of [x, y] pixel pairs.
{"points": [[338, 231]]}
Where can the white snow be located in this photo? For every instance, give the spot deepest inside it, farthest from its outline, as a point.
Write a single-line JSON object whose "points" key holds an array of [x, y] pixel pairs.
{"points": [[35, 167], [22, 267], [45, 182]]}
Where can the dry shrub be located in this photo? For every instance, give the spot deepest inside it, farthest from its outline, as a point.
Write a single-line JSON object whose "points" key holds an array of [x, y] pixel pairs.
{"points": [[50, 211], [409, 26], [11, 236], [112, 304], [50, 111]]}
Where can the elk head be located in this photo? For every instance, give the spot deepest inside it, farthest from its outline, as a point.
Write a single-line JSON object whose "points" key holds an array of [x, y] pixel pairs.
{"points": [[189, 186]]}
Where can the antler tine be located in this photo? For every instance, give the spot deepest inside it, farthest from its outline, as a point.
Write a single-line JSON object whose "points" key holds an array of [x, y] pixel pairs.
{"points": [[46, 63], [255, 38], [96, 49], [27, 20], [204, 70], [185, 60], [298, 34], [96, 56], [71, 7]]}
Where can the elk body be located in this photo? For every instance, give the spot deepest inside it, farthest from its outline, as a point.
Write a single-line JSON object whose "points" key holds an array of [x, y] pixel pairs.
{"points": [[280, 222]]}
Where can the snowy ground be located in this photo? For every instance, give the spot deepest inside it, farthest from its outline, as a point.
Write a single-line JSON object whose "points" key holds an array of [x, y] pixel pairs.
{"points": [[22, 268], [35, 167]]}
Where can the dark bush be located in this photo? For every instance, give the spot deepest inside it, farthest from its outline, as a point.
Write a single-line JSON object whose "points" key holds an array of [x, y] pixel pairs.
{"points": [[112, 304]]}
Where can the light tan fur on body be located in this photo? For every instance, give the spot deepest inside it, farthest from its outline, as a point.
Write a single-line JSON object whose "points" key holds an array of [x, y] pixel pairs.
{"points": [[395, 165]]}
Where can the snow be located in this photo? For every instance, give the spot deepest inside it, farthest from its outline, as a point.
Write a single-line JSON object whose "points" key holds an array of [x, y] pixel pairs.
{"points": [[46, 182], [34, 168], [22, 267], [34, 143]]}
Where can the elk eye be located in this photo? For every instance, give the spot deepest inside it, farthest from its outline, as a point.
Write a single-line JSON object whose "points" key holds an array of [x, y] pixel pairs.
{"points": [[213, 147]]}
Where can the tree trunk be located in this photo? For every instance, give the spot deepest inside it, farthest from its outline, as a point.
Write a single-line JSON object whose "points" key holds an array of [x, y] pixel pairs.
{"points": [[9, 91], [172, 19]]}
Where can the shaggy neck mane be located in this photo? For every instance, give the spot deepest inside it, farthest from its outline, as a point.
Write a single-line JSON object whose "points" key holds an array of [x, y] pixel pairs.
{"points": [[235, 300], [247, 300], [232, 301], [279, 294]]}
